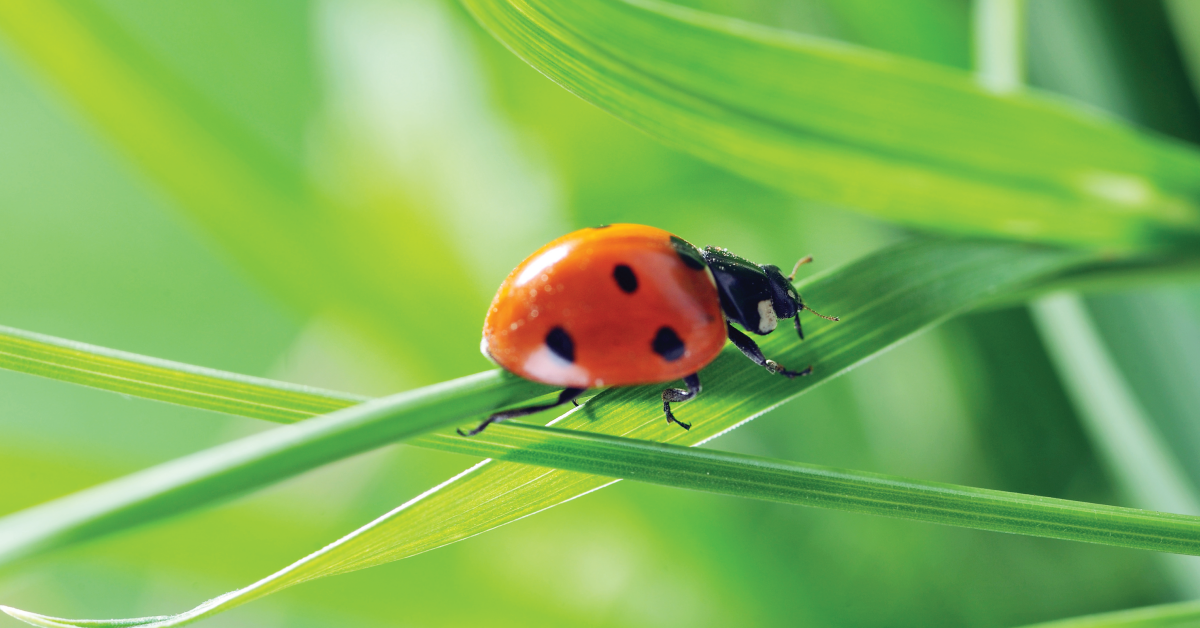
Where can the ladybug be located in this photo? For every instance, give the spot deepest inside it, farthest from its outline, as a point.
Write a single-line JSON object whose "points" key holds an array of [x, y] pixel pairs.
{"points": [[624, 304]]}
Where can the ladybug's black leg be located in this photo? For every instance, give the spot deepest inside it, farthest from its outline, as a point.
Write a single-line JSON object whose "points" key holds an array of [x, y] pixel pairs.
{"points": [[678, 394], [751, 350], [799, 332], [567, 395]]}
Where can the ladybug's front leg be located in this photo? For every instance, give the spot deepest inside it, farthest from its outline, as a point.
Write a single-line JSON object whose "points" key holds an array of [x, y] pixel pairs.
{"points": [[678, 394], [751, 350]]}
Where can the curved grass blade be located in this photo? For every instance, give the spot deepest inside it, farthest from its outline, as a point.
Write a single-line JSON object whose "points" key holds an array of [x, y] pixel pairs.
{"points": [[227, 470], [1180, 615], [856, 491], [198, 387], [1122, 432], [882, 299], [271, 400], [163, 380], [939, 151], [779, 481]]}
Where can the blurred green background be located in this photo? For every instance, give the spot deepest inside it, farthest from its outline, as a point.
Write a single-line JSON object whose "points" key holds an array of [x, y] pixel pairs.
{"points": [[442, 160]]}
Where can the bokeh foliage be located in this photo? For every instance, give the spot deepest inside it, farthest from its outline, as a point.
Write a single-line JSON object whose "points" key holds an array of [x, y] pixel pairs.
{"points": [[409, 158]]}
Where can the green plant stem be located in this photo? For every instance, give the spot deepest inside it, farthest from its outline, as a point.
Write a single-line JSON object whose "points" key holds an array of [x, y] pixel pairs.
{"points": [[883, 298], [941, 153], [825, 487], [163, 380], [779, 481], [228, 470], [1124, 435], [1112, 417], [1181, 615], [999, 44]]}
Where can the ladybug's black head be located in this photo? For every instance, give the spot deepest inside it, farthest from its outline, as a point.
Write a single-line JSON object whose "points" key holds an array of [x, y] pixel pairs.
{"points": [[752, 296], [784, 298]]}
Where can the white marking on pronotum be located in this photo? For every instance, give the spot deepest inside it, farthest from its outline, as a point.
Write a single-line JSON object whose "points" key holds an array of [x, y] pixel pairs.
{"points": [[766, 317]]}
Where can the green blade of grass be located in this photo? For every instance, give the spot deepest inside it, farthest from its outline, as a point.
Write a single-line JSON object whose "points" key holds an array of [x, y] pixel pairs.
{"points": [[1110, 413], [1179, 615], [930, 148], [883, 299], [163, 380], [227, 470], [786, 482], [242, 395], [1123, 433], [151, 378], [856, 491]]}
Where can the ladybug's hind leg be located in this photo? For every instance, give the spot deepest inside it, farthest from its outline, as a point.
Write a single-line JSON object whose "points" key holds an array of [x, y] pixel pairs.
{"points": [[678, 394], [567, 395], [751, 350]]}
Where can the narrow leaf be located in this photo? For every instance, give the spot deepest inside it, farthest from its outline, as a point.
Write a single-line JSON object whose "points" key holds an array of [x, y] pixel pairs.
{"points": [[227, 470], [929, 148], [192, 386], [271, 400], [1180, 615], [883, 299], [785, 482], [163, 380], [856, 491]]}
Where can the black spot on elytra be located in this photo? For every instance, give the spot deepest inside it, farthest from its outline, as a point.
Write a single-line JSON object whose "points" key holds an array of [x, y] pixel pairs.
{"points": [[667, 344], [625, 278], [559, 341], [688, 253]]}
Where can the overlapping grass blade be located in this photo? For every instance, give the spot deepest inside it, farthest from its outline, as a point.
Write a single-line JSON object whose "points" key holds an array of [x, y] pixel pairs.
{"points": [[883, 299], [792, 483], [252, 462], [242, 395], [855, 491], [929, 148], [163, 380], [1180, 615]]}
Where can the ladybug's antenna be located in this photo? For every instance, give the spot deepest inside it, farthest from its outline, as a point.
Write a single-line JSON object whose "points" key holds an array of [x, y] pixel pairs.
{"points": [[804, 260], [828, 318]]}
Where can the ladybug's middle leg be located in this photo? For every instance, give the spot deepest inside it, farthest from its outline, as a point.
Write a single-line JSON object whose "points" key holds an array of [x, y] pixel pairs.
{"points": [[751, 350], [678, 394], [566, 395]]}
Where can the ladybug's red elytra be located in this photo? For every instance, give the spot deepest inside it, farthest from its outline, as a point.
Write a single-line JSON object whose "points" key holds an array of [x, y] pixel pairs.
{"points": [[626, 304]]}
